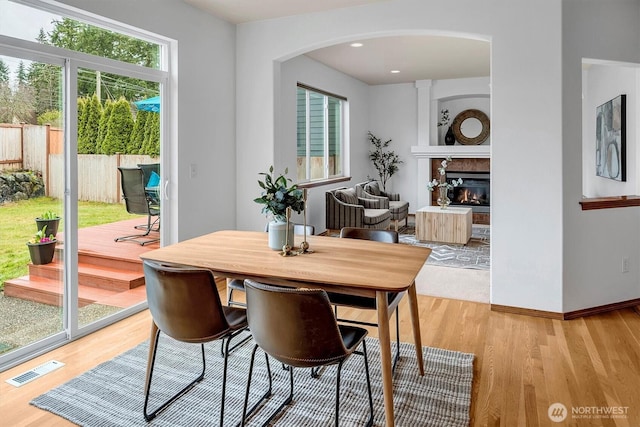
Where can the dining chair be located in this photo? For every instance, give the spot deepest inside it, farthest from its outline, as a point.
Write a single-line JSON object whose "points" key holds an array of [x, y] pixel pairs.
{"points": [[369, 303], [185, 305], [313, 337], [238, 284]]}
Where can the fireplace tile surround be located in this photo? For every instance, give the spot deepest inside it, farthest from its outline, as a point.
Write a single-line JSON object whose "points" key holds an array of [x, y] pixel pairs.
{"points": [[463, 165]]}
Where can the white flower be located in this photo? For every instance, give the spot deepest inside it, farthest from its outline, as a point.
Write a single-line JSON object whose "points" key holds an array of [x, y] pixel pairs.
{"points": [[444, 163]]}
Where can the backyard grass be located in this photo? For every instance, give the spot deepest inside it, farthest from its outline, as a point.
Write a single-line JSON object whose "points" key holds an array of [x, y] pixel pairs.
{"points": [[17, 226]]}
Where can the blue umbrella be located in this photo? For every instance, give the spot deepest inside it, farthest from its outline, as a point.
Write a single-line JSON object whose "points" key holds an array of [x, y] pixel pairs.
{"points": [[149, 104]]}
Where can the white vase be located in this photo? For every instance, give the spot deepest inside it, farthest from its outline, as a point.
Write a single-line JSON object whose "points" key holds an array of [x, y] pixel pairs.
{"points": [[278, 235]]}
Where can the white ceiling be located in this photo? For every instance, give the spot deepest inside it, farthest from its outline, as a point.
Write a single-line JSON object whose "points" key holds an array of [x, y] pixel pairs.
{"points": [[416, 57]]}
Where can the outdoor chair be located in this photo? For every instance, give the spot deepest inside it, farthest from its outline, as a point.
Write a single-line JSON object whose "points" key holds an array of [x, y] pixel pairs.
{"points": [[345, 209], [185, 305], [399, 208], [369, 303], [297, 327], [138, 202]]}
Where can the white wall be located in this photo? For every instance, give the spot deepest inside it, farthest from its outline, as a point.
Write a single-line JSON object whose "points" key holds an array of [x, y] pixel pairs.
{"points": [[526, 92], [600, 84], [312, 73], [205, 109], [393, 115], [595, 241]]}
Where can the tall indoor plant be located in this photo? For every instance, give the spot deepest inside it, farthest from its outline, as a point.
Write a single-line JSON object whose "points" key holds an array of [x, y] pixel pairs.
{"points": [[277, 196], [384, 160]]}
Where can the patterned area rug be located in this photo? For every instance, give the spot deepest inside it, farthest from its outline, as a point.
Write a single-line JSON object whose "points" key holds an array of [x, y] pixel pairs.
{"points": [[112, 393], [476, 254]]}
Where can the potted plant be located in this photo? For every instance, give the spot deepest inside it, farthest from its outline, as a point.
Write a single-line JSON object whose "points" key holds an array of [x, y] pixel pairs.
{"points": [[50, 220], [385, 161], [277, 197], [42, 247]]}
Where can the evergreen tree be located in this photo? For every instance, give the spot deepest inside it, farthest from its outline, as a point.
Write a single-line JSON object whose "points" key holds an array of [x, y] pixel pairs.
{"points": [[92, 114], [21, 74], [137, 136], [118, 129], [45, 80], [102, 126], [4, 72], [151, 145], [82, 122]]}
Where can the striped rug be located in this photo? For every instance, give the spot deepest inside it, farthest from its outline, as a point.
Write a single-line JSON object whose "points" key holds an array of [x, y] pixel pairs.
{"points": [[112, 393]]}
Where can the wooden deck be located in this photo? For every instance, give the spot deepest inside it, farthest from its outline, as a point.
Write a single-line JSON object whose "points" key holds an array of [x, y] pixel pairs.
{"points": [[109, 272]]}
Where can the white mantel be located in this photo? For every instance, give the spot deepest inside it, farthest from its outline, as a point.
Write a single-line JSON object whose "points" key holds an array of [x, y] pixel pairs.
{"points": [[453, 151]]}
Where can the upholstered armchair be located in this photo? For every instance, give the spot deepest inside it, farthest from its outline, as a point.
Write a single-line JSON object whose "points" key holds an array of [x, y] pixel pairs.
{"points": [[345, 209], [399, 208]]}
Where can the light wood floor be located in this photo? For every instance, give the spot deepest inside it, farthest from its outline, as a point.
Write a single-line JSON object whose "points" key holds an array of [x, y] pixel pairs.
{"points": [[523, 364]]}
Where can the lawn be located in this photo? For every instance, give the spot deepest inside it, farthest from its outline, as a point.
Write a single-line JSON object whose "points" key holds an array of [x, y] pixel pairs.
{"points": [[17, 226]]}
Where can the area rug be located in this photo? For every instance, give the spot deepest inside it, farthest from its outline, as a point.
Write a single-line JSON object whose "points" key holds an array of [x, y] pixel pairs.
{"points": [[476, 254], [112, 393]]}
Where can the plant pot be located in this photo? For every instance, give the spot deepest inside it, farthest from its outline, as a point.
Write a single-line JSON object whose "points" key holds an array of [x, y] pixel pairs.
{"points": [[52, 225], [449, 137], [278, 235], [42, 253]]}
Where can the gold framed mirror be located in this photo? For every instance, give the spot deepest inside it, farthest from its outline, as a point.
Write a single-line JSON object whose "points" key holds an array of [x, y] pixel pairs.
{"points": [[471, 127]]}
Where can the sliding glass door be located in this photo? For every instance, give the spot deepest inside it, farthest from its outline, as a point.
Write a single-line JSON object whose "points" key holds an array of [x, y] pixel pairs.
{"points": [[71, 119]]}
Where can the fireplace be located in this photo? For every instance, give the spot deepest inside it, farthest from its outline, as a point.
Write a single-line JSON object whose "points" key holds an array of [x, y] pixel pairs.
{"points": [[474, 192]]}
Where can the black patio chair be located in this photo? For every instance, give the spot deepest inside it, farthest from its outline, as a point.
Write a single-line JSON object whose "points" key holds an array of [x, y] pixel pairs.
{"points": [[138, 202]]}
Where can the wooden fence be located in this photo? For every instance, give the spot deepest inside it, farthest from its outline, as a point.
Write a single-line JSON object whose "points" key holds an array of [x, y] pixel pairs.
{"points": [[41, 148]]}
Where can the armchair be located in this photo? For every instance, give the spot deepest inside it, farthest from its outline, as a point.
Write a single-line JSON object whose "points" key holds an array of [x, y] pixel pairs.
{"points": [[345, 209], [399, 209]]}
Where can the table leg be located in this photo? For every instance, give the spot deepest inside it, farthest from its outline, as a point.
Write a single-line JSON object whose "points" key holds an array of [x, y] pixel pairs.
{"points": [[415, 323], [152, 344], [385, 355]]}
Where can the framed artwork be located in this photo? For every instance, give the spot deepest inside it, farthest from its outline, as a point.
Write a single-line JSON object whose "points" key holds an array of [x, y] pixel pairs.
{"points": [[611, 139]]}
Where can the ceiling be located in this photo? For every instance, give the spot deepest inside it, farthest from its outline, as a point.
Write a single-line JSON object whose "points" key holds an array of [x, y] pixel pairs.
{"points": [[416, 57]]}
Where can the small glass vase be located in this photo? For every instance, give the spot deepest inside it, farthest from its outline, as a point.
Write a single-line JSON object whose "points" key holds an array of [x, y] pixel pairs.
{"points": [[443, 197]]}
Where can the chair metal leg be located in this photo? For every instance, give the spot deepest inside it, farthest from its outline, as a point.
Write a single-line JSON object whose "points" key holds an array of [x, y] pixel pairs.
{"points": [[133, 237], [246, 414], [149, 416], [231, 302], [287, 401], [338, 392], [236, 345]]}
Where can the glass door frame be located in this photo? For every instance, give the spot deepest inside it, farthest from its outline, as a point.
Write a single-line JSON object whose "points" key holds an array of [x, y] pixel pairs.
{"points": [[70, 61]]}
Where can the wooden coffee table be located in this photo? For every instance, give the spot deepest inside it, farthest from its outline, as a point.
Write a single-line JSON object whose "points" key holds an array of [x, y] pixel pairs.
{"points": [[450, 225]]}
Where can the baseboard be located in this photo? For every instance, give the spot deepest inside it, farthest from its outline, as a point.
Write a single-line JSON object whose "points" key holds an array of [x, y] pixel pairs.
{"points": [[633, 304], [527, 311], [603, 309]]}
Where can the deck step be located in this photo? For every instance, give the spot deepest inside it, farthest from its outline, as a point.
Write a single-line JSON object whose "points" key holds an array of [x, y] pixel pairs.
{"points": [[90, 275], [49, 291]]}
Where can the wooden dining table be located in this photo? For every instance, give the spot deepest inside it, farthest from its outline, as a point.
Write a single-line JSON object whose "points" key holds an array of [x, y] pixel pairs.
{"points": [[351, 266]]}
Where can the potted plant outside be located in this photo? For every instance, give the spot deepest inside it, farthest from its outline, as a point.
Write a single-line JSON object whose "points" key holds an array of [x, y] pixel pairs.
{"points": [[42, 247], [50, 220], [276, 198]]}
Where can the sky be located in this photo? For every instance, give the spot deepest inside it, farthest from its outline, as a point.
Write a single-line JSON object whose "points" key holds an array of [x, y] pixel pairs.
{"points": [[22, 22]]}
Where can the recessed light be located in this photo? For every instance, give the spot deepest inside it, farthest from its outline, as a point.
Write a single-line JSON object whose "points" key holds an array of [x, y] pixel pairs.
{"points": [[356, 45], [395, 71]]}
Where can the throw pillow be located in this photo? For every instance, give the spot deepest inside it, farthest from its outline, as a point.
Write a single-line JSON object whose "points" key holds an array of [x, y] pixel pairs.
{"points": [[372, 188], [154, 180], [348, 195]]}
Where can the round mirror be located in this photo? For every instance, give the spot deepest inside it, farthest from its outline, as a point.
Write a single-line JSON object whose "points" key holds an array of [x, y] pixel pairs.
{"points": [[471, 127]]}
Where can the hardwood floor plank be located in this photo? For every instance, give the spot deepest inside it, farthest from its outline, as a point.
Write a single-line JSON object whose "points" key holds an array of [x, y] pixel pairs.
{"points": [[523, 364]]}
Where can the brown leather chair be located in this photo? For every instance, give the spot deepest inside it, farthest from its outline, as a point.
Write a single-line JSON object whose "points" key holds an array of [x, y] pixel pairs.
{"points": [[238, 284], [367, 303], [312, 337], [185, 305]]}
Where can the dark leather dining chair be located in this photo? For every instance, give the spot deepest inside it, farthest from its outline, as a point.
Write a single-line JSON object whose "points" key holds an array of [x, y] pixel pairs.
{"points": [[368, 303], [185, 305], [313, 338], [238, 284]]}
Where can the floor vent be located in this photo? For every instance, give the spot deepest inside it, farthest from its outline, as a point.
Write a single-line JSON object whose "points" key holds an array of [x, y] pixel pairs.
{"points": [[34, 373]]}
